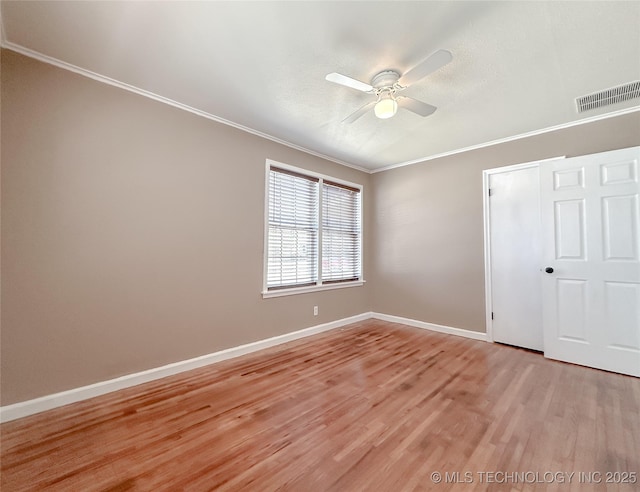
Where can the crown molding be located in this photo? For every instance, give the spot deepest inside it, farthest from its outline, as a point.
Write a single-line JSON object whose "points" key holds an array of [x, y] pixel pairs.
{"points": [[116, 83], [520, 136], [156, 97]]}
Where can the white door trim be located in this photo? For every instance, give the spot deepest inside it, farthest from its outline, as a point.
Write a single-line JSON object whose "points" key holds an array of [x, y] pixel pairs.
{"points": [[486, 174]]}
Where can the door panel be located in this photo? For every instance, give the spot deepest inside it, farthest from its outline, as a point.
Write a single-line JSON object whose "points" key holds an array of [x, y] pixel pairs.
{"points": [[620, 224], [571, 298], [591, 300], [570, 235], [623, 314], [568, 178], [625, 172]]}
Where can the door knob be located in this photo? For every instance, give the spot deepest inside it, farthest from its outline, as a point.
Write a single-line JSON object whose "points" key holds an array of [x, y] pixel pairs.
{"points": [[548, 270]]}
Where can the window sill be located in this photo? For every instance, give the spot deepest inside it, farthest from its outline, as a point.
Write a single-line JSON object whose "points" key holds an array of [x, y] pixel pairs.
{"points": [[311, 288]]}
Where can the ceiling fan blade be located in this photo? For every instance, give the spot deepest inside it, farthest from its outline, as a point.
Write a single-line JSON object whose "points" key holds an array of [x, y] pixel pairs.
{"points": [[429, 65], [418, 107], [337, 78], [358, 113]]}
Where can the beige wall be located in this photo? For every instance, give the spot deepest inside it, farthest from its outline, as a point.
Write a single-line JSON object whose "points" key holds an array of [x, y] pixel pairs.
{"points": [[427, 241], [125, 244], [124, 247]]}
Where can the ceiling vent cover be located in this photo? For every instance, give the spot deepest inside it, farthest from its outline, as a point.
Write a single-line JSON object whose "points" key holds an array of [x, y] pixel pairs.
{"points": [[609, 96]]}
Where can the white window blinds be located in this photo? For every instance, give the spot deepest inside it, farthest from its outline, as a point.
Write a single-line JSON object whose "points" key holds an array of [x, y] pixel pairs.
{"points": [[313, 232], [293, 230], [340, 233]]}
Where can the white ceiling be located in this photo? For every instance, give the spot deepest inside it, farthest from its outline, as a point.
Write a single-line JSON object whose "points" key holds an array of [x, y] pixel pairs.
{"points": [[517, 66]]}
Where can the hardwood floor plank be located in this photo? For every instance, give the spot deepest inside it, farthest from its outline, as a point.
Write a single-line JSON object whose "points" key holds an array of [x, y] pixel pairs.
{"points": [[373, 406]]}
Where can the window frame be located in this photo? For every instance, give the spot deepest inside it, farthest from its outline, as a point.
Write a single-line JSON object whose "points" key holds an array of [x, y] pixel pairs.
{"points": [[319, 285]]}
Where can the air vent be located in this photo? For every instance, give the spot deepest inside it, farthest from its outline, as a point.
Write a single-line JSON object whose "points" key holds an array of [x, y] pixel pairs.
{"points": [[609, 96]]}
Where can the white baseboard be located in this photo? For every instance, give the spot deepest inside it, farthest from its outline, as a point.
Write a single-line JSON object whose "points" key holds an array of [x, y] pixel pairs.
{"points": [[48, 402], [475, 335]]}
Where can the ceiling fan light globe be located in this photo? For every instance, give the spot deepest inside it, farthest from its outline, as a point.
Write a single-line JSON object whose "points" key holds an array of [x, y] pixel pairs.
{"points": [[385, 108]]}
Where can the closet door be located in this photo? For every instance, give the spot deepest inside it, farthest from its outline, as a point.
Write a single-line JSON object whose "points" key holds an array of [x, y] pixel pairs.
{"points": [[591, 260], [514, 215]]}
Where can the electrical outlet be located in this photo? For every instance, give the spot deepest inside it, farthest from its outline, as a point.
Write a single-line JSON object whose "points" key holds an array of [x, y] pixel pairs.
{"points": [[315, 310]]}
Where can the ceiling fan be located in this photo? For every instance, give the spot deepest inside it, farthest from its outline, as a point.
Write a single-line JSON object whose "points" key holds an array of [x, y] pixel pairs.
{"points": [[387, 84]]}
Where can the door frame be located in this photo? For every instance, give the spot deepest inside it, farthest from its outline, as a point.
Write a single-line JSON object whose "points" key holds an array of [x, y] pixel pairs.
{"points": [[486, 175]]}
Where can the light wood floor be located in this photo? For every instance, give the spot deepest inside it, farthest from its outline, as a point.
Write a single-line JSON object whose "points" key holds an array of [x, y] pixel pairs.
{"points": [[373, 406]]}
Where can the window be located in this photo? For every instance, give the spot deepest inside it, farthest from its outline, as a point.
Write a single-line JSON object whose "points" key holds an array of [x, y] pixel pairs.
{"points": [[340, 232], [313, 233]]}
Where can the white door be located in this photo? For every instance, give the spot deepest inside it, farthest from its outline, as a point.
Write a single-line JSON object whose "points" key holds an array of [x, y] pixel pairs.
{"points": [[514, 223], [591, 252]]}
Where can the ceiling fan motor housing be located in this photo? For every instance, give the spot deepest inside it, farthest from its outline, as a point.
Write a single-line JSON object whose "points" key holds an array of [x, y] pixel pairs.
{"points": [[386, 79]]}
